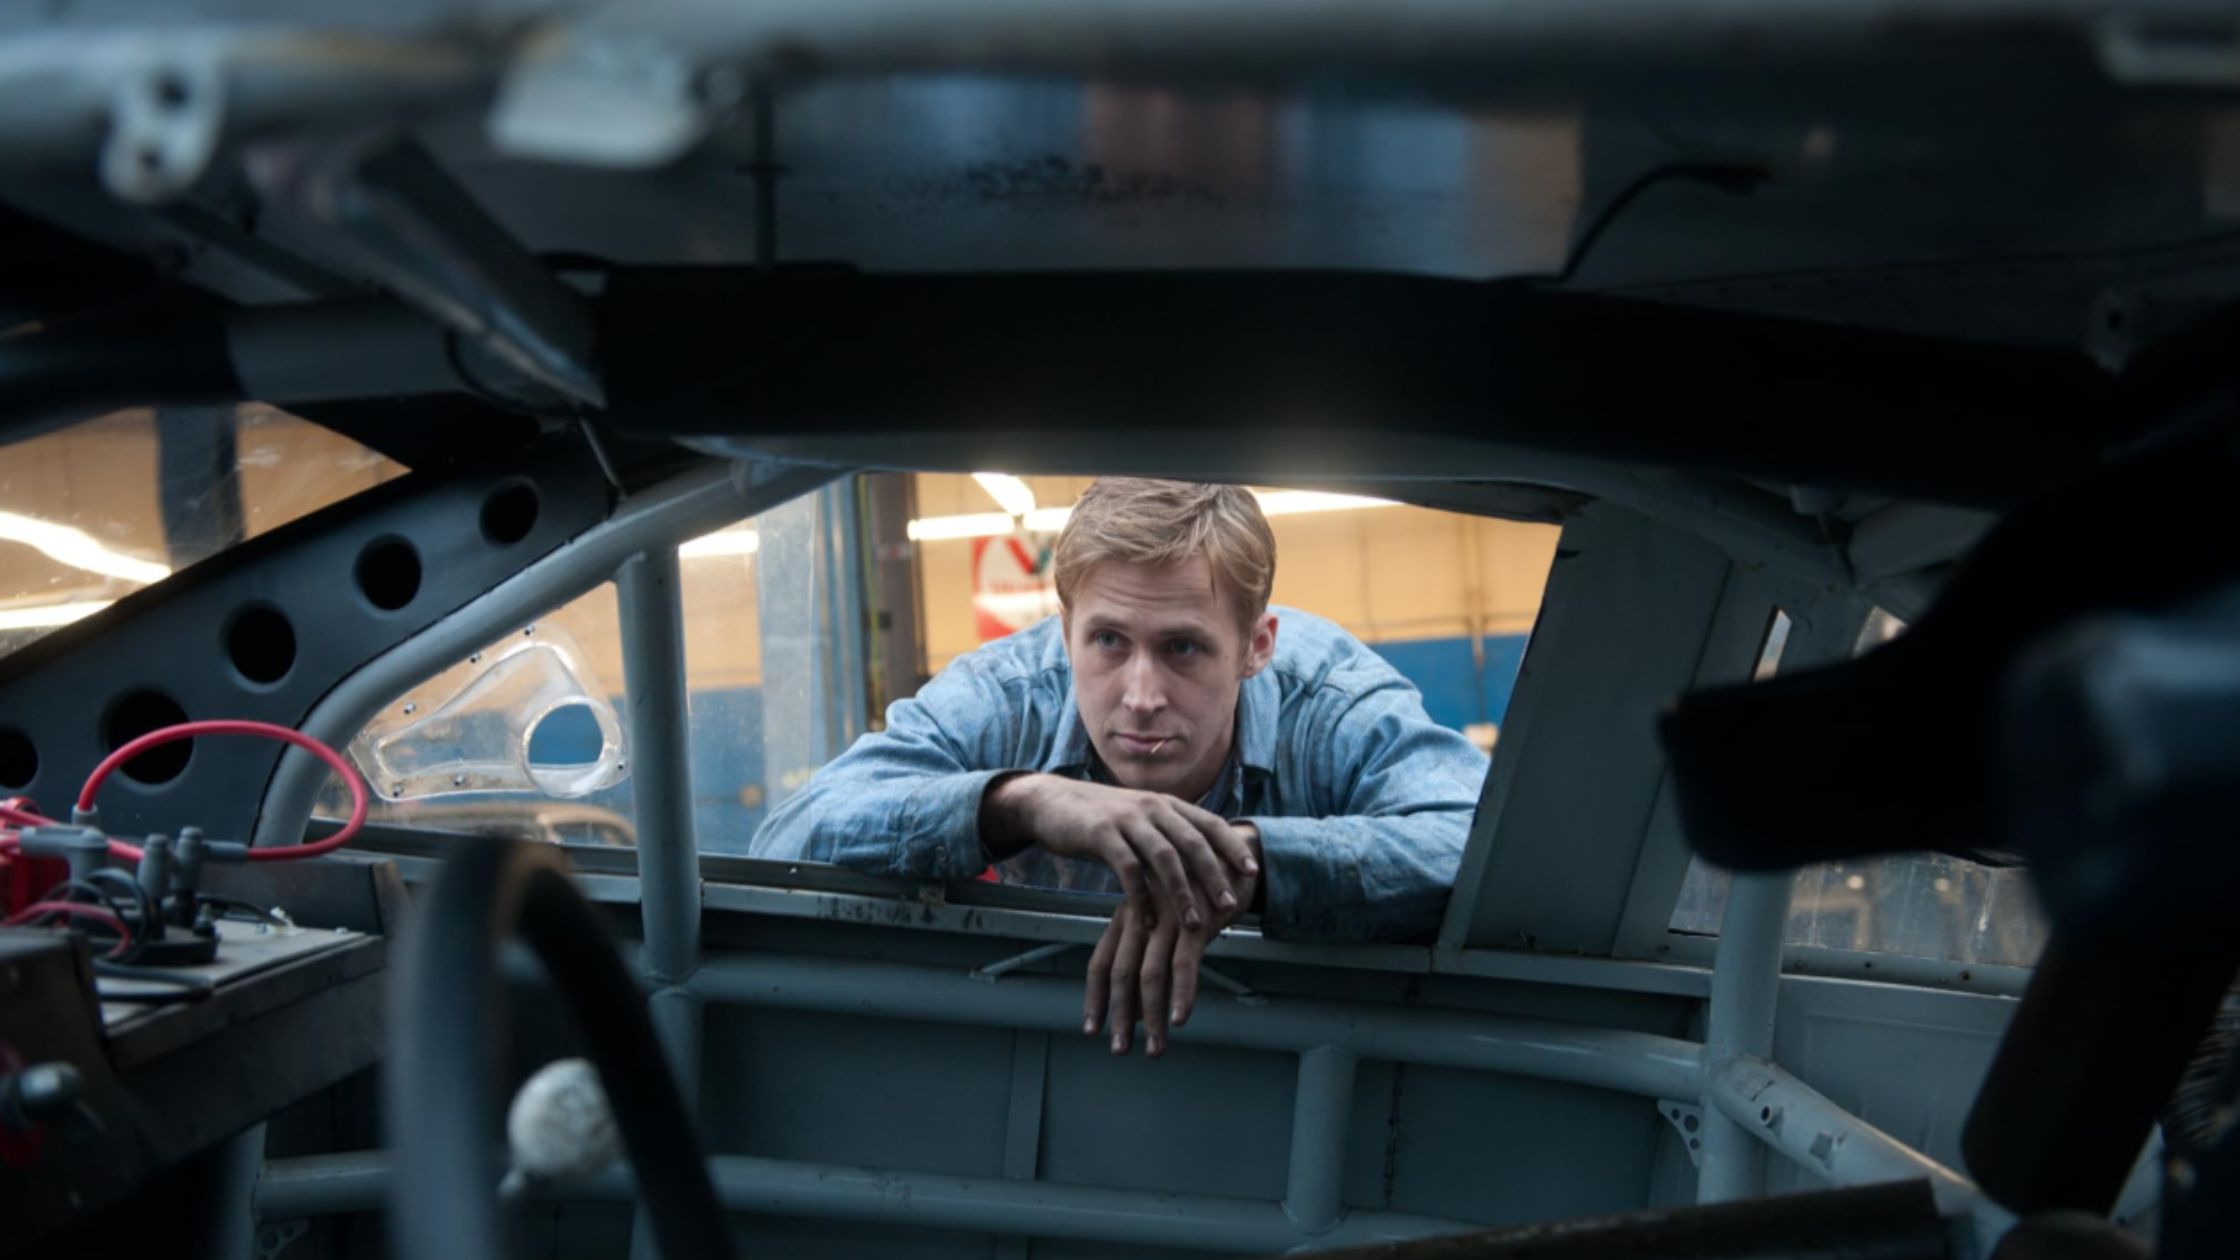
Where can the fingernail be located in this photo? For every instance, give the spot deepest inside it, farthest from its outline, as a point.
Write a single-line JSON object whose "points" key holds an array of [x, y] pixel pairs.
{"points": [[1227, 899], [1192, 921], [1088, 1026], [1251, 867], [1177, 1016], [1119, 1046], [1154, 1045]]}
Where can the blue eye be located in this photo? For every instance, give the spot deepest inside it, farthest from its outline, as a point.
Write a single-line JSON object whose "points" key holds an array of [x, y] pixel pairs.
{"points": [[1185, 647], [1105, 639]]}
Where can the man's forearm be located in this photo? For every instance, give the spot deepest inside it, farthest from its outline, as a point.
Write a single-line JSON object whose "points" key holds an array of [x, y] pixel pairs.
{"points": [[1003, 829]]}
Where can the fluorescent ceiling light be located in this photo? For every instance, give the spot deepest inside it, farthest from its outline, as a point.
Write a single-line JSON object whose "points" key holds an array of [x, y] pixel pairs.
{"points": [[1294, 502], [1014, 496], [724, 542], [50, 615], [1051, 520], [78, 549], [970, 525]]}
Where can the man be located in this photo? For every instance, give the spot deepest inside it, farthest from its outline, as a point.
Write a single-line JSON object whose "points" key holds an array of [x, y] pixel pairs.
{"points": [[1156, 739]]}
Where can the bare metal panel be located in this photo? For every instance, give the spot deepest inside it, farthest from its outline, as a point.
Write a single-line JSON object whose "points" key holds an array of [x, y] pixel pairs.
{"points": [[1629, 607], [1218, 1119], [788, 1085], [1905, 1060], [1503, 1151]]}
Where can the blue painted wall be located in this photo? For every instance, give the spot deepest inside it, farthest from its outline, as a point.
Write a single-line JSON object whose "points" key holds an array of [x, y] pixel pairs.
{"points": [[1455, 690]]}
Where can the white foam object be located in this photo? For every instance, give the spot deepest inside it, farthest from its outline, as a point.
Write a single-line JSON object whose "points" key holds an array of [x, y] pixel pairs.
{"points": [[560, 1125]]}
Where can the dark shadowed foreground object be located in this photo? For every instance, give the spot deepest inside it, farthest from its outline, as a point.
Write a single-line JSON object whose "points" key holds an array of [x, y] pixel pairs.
{"points": [[2086, 693], [1849, 747], [1895, 1221]]}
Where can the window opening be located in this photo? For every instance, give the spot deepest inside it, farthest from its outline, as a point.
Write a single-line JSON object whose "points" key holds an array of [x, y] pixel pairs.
{"points": [[1924, 905], [95, 511]]}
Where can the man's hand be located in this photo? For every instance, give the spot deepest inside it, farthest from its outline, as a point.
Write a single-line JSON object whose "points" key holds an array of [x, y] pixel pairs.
{"points": [[1158, 846], [1149, 968]]}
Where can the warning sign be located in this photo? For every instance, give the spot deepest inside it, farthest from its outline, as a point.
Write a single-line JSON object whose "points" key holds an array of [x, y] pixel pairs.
{"points": [[1011, 586]]}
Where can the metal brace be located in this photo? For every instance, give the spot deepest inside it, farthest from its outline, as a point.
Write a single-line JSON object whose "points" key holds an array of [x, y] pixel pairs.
{"points": [[1686, 1120], [273, 1237], [990, 973], [1245, 994]]}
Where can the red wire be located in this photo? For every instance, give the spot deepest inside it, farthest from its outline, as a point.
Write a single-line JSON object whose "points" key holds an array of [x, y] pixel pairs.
{"points": [[236, 726], [104, 917], [22, 817], [13, 813]]}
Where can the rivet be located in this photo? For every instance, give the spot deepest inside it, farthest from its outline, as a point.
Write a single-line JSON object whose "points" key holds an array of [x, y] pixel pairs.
{"points": [[458, 780], [410, 707], [475, 659]]}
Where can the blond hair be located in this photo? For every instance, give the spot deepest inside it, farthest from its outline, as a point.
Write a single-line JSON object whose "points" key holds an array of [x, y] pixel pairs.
{"points": [[1141, 520]]}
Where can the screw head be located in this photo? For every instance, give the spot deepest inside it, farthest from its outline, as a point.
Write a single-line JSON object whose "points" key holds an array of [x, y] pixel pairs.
{"points": [[458, 780], [410, 707]]}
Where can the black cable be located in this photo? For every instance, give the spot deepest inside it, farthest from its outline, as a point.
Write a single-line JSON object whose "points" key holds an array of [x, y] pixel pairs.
{"points": [[150, 921], [68, 890], [1739, 178]]}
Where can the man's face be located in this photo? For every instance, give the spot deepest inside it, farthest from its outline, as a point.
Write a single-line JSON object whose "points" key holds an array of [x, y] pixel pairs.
{"points": [[1158, 657]]}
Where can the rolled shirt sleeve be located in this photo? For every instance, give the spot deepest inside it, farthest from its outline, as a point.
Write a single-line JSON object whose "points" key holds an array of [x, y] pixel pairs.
{"points": [[1398, 793], [906, 801]]}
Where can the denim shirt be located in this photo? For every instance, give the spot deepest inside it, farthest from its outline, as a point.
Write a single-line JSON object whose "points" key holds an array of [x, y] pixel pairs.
{"points": [[1363, 804]]}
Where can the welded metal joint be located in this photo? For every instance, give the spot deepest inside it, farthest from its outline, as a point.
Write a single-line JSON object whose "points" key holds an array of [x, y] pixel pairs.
{"points": [[1805, 1125]]}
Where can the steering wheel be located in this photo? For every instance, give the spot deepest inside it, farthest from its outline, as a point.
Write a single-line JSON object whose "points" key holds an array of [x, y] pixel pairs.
{"points": [[441, 1077]]}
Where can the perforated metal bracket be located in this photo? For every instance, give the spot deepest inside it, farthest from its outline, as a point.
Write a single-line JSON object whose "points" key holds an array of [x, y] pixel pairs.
{"points": [[273, 1237], [1686, 1120], [163, 129]]}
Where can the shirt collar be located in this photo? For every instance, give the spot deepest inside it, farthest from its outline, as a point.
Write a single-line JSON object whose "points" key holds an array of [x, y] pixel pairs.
{"points": [[1259, 705]]}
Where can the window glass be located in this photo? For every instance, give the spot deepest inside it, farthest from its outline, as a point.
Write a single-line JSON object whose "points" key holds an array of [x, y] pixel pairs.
{"points": [[1926, 905], [528, 736], [93, 512], [776, 648]]}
